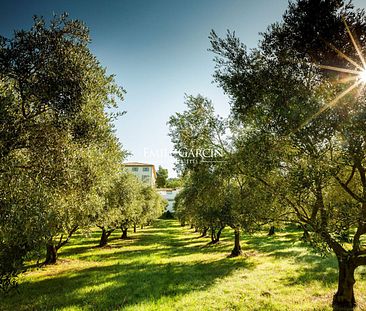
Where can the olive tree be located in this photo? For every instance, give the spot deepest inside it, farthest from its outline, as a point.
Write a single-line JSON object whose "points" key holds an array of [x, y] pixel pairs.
{"points": [[219, 188], [57, 146], [285, 91], [120, 204]]}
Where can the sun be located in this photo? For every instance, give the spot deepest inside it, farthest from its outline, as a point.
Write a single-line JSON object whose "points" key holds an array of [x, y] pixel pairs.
{"points": [[362, 76], [357, 74]]}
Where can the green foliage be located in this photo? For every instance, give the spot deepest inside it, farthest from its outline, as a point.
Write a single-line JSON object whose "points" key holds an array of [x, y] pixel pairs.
{"points": [[217, 191], [196, 129], [124, 199], [311, 150], [161, 177], [128, 203], [174, 183], [293, 154], [153, 205], [58, 152]]}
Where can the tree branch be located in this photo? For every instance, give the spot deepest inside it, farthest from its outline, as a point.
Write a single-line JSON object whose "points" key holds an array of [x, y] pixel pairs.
{"points": [[351, 175], [356, 238], [361, 171], [60, 244], [360, 261], [348, 190], [333, 244]]}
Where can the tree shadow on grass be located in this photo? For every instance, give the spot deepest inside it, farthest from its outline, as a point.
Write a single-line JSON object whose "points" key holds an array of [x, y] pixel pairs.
{"points": [[314, 267], [165, 239], [324, 270], [141, 278], [145, 245], [116, 286]]}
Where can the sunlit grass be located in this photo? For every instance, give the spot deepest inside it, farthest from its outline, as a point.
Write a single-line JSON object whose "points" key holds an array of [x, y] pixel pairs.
{"points": [[168, 267]]}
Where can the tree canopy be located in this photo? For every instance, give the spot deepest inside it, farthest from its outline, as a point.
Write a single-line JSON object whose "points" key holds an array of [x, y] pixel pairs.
{"points": [[161, 177], [311, 122], [58, 151], [293, 148]]}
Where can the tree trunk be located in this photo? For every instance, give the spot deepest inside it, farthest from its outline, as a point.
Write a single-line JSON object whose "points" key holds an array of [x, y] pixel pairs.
{"points": [[51, 255], [124, 233], [104, 238], [306, 232], [344, 298], [218, 235], [213, 235], [204, 232], [142, 227], [134, 228], [271, 231], [192, 226], [237, 248], [305, 236]]}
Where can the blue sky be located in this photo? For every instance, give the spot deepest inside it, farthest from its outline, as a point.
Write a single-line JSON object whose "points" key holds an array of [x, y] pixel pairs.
{"points": [[158, 51]]}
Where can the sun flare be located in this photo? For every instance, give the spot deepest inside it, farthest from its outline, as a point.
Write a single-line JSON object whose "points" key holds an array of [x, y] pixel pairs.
{"points": [[357, 74], [362, 76]]}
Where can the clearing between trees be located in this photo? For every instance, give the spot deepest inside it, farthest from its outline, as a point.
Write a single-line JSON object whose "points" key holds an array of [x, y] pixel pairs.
{"points": [[169, 267]]}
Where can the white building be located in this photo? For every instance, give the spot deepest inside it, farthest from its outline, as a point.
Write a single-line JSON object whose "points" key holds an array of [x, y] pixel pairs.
{"points": [[143, 171], [169, 194]]}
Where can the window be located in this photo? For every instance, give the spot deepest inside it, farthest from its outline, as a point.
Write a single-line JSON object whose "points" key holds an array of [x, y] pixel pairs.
{"points": [[135, 169], [145, 169], [145, 177]]}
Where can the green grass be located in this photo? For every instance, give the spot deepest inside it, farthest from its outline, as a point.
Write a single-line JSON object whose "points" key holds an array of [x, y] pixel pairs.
{"points": [[167, 267]]}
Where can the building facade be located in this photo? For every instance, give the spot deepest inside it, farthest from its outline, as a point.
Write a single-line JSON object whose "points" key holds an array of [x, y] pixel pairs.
{"points": [[143, 171], [169, 194]]}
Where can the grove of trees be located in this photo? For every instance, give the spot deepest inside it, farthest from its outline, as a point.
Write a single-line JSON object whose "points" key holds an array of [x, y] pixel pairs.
{"points": [[294, 147], [61, 165]]}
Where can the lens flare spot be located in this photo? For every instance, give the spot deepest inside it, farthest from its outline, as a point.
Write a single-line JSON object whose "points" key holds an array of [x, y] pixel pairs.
{"points": [[362, 76]]}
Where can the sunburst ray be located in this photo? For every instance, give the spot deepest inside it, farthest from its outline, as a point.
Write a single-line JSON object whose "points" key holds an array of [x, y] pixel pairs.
{"points": [[340, 69], [355, 44], [346, 79], [358, 75], [341, 54], [329, 105]]}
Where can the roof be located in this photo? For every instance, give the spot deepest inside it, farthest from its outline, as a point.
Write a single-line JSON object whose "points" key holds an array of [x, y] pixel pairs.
{"points": [[137, 164], [141, 164]]}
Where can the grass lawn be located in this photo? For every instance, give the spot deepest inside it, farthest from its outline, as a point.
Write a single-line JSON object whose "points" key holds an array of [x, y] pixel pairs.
{"points": [[167, 267]]}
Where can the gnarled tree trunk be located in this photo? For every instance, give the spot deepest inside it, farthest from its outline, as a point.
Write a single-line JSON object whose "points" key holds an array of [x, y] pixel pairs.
{"points": [[204, 232], [218, 234], [51, 248], [104, 238], [344, 298], [237, 248], [305, 236], [271, 231], [213, 235], [51, 255], [124, 233]]}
